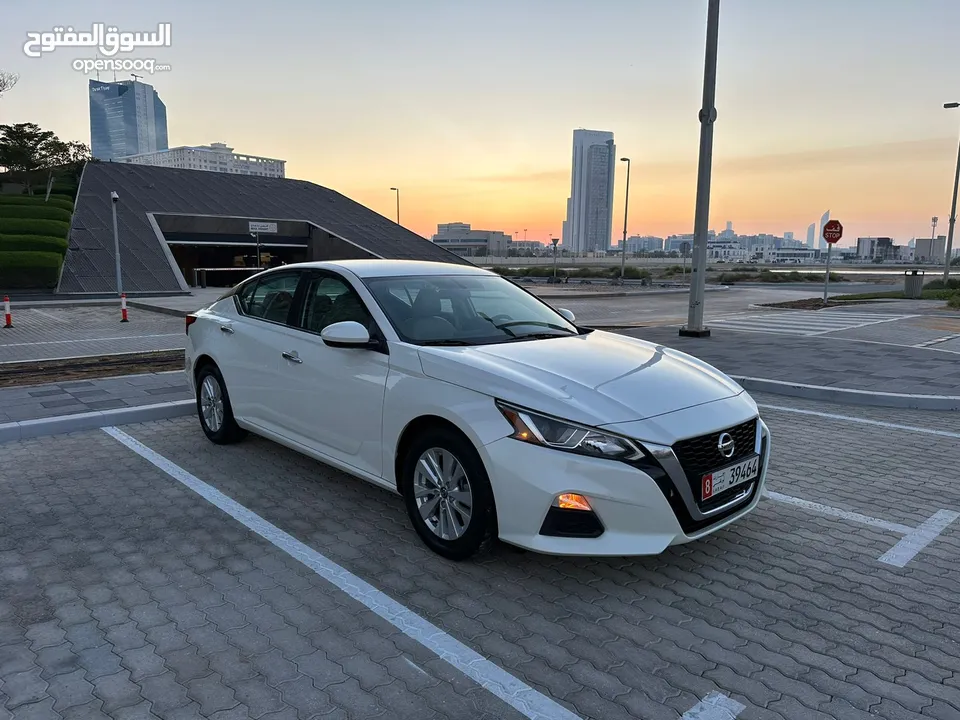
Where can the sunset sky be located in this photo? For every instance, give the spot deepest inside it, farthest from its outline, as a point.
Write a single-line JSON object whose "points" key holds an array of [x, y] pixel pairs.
{"points": [[469, 107]]}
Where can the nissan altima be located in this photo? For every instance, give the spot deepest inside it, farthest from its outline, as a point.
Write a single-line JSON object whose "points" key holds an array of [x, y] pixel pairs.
{"points": [[492, 414]]}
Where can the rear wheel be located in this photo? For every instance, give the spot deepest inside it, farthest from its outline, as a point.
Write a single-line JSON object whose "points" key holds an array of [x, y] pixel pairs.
{"points": [[447, 494], [213, 408]]}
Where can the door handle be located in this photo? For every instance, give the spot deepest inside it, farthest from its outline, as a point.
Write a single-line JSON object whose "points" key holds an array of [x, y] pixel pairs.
{"points": [[226, 329], [292, 356]]}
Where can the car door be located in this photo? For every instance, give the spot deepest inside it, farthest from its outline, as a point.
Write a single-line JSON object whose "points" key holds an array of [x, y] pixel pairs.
{"points": [[249, 356], [333, 397]]}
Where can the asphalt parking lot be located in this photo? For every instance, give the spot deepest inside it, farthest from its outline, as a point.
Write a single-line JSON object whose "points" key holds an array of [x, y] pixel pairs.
{"points": [[145, 572]]}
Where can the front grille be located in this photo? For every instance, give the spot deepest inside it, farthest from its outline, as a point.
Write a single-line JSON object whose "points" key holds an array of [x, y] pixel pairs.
{"points": [[700, 455], [687, 523]]}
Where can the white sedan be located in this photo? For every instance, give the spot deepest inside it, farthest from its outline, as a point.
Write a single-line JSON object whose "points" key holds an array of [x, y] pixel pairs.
{"points": [[489, 412]]}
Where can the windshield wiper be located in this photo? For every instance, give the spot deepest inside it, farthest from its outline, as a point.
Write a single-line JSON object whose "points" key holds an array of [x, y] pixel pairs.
{"points": [[539, 336], [446, 343], [537, 323]]}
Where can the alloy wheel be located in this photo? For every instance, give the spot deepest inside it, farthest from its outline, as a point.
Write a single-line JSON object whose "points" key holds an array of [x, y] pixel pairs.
{"points": [[211, 403], [443, 495]]}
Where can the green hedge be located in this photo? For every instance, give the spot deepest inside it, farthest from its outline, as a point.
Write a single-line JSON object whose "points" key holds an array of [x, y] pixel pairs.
{"points": [[29, 269], [27, 226], [54, 201], [35, 212], [32, 243]]}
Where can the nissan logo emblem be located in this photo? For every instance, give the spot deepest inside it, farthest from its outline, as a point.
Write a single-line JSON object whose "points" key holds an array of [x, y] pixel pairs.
{"points": [[725, 445]]}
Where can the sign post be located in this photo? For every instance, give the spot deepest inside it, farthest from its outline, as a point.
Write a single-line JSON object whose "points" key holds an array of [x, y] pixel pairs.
{"points": [[554, 241], [832, 232]]}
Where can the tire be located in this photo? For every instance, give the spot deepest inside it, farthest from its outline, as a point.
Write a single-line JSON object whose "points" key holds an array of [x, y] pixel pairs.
{"points": [[210, 389], [480, 529]]}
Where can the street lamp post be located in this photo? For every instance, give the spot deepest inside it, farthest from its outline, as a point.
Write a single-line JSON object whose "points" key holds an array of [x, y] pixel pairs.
{"points": [[953, 209], [397, 191], [626, 205], [708, 116], [554, 241], [114, 199], [256, 236]]}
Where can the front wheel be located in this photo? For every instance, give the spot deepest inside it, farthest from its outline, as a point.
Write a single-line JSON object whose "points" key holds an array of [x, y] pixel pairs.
{"points": [[447, 494], [213, 408]]}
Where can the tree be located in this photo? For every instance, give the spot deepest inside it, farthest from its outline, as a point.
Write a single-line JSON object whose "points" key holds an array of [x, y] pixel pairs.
{"points": [[27, 152], [7, 81]]}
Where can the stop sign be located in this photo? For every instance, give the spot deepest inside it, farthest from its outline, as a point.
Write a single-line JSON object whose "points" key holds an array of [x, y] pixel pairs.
{"points": [[832, 231]]}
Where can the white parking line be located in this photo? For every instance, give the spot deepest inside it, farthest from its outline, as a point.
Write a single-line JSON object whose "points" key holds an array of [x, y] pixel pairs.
{"points": [[715, 706], [863, 421], [916, 540], [838, 513], [913, 541], [488, 675]]}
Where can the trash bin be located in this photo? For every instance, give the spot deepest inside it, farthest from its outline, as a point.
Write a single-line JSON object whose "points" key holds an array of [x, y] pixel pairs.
{"points": [[913, 284]]}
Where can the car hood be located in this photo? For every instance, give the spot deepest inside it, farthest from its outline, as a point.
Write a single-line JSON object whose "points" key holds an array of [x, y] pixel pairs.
{"points": [[595, 378]]}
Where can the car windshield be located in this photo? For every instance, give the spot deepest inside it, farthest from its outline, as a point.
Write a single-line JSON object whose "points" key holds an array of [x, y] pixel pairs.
{"points": [[465, 310]]}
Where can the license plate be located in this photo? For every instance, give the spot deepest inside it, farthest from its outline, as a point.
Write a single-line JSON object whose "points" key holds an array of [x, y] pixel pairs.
{"points": [[716, 482]]}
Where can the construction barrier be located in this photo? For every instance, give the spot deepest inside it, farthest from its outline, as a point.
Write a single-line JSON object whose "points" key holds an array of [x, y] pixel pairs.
{"points": [[123, 307], [7, 316]]}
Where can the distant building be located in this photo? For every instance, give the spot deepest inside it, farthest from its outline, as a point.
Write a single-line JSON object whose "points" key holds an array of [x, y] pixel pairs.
{"points": [[794, 255], [726, 249], [824, 219], [811, 235], [461, 239], [644, 243], [930, 250], [216, 157], [589, 221], [788, 236], [728, 232], [126, 118]]}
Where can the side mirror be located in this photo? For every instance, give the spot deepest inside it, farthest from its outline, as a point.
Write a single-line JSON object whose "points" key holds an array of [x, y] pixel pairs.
{"points": [[346, 334], [567, 315]]}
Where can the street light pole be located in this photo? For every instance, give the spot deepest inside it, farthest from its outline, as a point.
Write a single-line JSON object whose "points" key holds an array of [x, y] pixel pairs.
{"points": [[397, 191], [626, 205], [708, 116], [554, 241], [116, 242], [953, 210], [256, 236]]}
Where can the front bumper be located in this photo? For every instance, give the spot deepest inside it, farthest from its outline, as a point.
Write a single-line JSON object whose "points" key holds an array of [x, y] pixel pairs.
{"points": [[642, 510]]}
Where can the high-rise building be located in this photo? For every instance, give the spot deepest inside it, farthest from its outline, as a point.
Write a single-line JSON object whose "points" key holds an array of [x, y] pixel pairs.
{"points": [[216, 157], [126, 118], [589, 223], [811, 230], [824, 219]]}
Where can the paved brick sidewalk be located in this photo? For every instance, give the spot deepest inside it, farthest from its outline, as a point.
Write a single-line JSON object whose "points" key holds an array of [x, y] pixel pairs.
{"points": [[81, 396], [125, 595], [819, 361]]}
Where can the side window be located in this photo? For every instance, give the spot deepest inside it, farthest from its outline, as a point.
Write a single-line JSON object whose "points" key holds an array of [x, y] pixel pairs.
{"points": [[270, 298], [331, 300]]}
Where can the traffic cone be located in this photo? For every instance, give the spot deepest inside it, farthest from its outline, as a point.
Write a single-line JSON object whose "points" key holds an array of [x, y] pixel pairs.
{"points": [[7, 317], [123, 307]]}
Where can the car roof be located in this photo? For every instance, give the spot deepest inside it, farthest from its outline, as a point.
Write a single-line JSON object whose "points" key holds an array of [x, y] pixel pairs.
{"points": [[389, 268]]}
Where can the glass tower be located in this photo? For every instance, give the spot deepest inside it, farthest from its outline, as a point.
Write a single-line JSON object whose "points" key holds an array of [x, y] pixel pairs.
{"points": [[126, 118]]}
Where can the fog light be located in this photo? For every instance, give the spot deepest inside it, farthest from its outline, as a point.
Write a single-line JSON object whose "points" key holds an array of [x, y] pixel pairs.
{"points": [[572, 501]]}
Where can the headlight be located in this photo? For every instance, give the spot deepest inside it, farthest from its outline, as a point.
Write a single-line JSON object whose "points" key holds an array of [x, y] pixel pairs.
{"points": [[562, 435]]}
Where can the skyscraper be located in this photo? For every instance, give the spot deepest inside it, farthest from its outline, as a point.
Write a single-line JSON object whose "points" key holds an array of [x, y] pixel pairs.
{"points": [[589, 223], [126, 118], [823, 221], [811, 237]]}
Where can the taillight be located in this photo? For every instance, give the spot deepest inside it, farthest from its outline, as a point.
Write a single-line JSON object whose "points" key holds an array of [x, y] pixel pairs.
{"points": [[191, 319]]}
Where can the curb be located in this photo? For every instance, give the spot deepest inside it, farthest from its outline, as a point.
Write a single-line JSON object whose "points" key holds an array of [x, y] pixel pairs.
{"points": [[42, 427], [849, 396], [640, 293]]}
